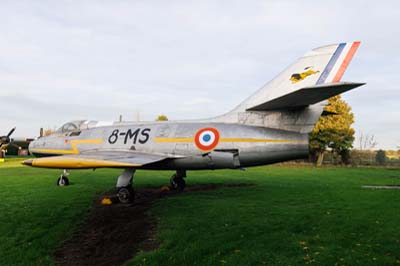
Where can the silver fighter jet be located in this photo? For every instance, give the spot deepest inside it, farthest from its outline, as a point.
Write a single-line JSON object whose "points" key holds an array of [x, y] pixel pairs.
{"points": [[270, 126]]}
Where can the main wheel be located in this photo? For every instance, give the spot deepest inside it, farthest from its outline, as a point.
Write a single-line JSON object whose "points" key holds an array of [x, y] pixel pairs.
{"points": [[177, 183], [126, 194], [62, 181]]}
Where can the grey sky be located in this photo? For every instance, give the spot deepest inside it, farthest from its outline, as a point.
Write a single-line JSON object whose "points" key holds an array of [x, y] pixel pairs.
{"points": [[67, 60]]}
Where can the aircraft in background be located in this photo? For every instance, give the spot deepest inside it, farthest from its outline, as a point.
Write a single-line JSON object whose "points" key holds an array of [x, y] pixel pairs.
{"points": [[270, 126], [6, 141]]}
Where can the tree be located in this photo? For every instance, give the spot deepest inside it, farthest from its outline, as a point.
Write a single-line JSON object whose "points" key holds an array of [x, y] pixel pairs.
{"points": [[48, 132], [367, 142], [380, 157], [333, 131], [162, 118]]}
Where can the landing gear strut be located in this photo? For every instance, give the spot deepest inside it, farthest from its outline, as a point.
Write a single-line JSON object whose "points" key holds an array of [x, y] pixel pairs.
{"points": [[63, 179], [177, 182], [125, 192]]}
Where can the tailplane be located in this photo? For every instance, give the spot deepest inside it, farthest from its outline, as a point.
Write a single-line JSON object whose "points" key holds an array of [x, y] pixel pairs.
{"points": [[306, 96]]}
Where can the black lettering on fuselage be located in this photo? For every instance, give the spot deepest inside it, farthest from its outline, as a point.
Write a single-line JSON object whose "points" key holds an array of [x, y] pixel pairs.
{"points": [[145, 135], [113, 137], [136, 135], [130, 135]]}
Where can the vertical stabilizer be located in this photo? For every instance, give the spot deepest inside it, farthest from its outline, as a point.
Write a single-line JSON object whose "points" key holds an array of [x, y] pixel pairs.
{"points": [[320, 66]]}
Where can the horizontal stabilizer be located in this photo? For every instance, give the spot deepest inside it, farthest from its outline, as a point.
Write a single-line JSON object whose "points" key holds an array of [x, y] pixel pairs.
{"points": [[306, 96]]}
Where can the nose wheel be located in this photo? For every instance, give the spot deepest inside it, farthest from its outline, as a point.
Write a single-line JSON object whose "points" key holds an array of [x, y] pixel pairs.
{"points": [[63, 179]]}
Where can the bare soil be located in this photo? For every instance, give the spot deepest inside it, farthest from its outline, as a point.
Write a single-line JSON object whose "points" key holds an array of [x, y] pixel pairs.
{"points": [[113, 234]]}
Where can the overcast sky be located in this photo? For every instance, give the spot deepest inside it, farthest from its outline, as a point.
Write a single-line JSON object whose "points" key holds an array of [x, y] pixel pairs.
{"points": [[68, 60]]}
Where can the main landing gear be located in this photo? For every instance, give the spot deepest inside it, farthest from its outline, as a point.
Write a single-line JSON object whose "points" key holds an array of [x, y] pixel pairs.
{"points": [[63, 179], [125, 192], [177, 180]]}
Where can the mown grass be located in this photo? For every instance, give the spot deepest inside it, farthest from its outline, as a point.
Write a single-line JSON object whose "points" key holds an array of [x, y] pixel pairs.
{"points": [[292, 216]]}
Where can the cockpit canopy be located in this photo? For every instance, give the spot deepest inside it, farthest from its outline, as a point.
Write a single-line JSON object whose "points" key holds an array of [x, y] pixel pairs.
{"points": [[71, 126], [78, 125]]}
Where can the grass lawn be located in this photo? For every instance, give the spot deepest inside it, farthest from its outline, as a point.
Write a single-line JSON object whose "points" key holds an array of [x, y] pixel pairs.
{"points": [[292, 216]]}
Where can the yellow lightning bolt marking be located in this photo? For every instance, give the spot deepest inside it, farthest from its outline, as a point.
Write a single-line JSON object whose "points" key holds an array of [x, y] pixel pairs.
{"points": [[73, 146]]}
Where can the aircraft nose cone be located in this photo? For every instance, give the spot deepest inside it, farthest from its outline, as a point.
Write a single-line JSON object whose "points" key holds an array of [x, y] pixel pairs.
{"points": [[32, 145], [28, 162]]}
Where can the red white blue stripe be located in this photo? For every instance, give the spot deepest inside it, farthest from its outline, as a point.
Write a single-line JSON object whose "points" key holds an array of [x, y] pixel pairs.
{"points": [[338, 63]]}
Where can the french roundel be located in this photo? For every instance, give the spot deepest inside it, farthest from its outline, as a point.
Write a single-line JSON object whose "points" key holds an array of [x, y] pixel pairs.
{"points": [[206, 139]]}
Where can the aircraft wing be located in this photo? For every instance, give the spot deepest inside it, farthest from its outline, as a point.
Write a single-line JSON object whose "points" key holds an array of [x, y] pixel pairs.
{"points": [[306, 96], [97, 159]]}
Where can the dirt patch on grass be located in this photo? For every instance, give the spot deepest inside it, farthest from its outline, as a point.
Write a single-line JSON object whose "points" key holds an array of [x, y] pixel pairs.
{"points": [[113, 234]]}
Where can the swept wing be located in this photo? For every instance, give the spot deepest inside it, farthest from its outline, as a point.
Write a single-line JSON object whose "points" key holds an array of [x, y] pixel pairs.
{"points": [[97, 159]]}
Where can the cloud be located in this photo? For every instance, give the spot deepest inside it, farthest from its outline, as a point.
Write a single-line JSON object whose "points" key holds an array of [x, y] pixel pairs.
{"points": [[62, 60], [199, 101]]}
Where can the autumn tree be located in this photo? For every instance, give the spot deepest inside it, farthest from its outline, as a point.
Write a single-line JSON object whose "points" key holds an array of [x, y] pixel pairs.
{"points": [[333, 131], [162, 118], [48, 132]]}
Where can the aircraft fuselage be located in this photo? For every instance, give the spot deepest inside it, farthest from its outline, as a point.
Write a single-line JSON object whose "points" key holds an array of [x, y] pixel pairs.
{"points": [[189, 145]]}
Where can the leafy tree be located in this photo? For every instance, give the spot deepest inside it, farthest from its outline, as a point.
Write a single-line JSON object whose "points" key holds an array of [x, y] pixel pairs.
{"points": [[380, 157], [162, 118], [333, 131]]}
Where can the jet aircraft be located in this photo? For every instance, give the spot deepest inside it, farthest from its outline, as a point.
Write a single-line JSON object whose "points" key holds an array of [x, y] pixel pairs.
{"points": [[270, 126]]}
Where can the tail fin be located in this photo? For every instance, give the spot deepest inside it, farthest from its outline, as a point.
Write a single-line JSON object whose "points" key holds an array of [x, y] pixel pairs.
{"points": [[295, 99], [338, 63], [325, 64]]}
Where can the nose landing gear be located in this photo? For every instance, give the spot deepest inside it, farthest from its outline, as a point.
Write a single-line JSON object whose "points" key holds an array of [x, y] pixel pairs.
{"points": [[63, 179]]}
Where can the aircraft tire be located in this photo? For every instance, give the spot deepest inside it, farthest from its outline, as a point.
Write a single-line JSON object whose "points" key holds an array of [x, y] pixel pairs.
{"points": [[126, 194], [62, 181], [177, 183]]}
